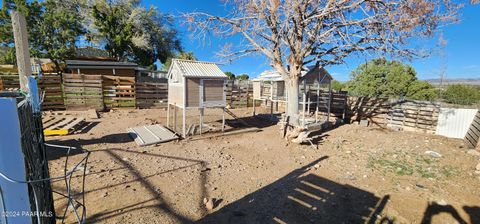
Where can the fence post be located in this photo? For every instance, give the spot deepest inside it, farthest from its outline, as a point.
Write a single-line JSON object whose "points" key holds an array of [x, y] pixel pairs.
{"points": [[248, 91], [20, 36]]}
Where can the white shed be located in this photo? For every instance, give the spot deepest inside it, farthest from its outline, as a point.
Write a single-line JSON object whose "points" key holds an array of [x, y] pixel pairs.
{"points": [[195, 85]]}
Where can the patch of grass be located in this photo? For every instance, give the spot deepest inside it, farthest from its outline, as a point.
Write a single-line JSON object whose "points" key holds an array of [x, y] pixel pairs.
{"points": [[403, 164], [449, 171], [399, 167]]}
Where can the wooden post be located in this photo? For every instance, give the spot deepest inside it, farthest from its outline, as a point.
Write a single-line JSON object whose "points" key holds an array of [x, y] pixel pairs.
{"points": [[231, 93], [254, 112], [271, 108], [20, 35], [168, 115], [329, 99], [223, 120], [318, 101], [304, 102], [175, 117], [248, 91], [271, 91], [184, 116], [201, 120], [308, 103]]}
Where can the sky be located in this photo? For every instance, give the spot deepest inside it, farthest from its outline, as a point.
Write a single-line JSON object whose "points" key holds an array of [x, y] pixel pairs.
{"points": [[460, 58]]}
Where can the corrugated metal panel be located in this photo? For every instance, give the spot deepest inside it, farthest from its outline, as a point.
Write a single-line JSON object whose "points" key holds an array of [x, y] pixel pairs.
{"points": [[454, 123], [199, 69]]}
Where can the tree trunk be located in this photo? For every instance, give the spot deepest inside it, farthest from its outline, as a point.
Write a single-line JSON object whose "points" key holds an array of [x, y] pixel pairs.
{"points": [[292, 99]]}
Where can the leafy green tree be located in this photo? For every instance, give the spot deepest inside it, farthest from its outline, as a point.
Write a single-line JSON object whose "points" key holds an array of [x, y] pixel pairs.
{"points": [[53, 28], [32, 10], [389, 79], [60, 28], [381, 78], [462, 94], [243, 77], [421, 90], [230, 75], [7, 55], [182, 55], [337, 85], [131, 32], [113, 28]]}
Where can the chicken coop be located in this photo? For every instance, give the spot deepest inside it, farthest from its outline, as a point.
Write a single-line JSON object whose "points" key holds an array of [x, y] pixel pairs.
{"points": [[315, 94], [194, 85]]}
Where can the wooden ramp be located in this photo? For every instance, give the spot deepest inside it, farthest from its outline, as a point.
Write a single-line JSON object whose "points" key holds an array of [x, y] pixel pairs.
{"points": [[151, 134], [55, 125], [229, 112]]}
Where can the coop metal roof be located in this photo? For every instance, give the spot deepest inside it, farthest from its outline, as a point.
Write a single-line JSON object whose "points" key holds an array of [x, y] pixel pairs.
{"points": [[269, 75], [272, 75], [199, 69]]}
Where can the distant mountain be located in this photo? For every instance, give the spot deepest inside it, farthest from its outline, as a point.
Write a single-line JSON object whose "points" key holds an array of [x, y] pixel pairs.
{"points": [[468, 81]]}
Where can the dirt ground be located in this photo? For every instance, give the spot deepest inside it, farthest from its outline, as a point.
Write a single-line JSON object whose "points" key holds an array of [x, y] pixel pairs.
{"points": [[356, 175]]}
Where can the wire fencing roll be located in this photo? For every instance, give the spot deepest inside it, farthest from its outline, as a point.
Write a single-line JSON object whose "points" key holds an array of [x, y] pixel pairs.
{"points": [[38, 180]]}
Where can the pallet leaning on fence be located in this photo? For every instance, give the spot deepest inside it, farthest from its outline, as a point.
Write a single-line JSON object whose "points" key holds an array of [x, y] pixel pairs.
{"points": [[50, 86], [414, 116], [54, 125], [118, 91], [472, 138]]}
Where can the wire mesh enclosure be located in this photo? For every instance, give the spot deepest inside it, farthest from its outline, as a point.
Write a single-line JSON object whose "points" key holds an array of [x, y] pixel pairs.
{"points": [[37, 180]]}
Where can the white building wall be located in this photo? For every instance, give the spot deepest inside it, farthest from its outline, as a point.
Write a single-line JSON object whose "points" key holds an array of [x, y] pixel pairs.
{"points": [[454, 123]]}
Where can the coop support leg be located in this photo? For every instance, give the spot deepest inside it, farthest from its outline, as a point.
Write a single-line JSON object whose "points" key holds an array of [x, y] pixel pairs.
{"points": [[271, 108], [175, 117], [318, 101], [168, 115], [201, 120], [184, 115], [223, 120]]}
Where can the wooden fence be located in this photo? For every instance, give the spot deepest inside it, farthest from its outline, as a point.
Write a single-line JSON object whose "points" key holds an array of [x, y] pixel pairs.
{"points": [[103, 91], [239, 93], [50, 87], [151, 95], [9, 82], [414, 116], [338, 102], [83, 91], [399, 114]]}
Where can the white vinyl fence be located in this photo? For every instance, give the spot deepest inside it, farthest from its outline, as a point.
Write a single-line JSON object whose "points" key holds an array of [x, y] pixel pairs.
{"points": [[454, 123]]}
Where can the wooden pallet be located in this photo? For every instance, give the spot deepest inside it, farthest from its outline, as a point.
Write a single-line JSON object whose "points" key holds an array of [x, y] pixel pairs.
{"points": [[56, 125], [472, 138]]}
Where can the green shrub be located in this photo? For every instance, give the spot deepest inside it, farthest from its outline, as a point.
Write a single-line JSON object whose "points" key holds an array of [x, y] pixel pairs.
{"points": [[389, 79], [338, 86], [462, 94]]}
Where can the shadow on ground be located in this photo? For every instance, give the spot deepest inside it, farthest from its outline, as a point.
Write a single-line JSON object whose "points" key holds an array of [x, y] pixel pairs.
{"points": [[434, 209], [154, 200], [303, 197], [56, 153], [252, 121]]}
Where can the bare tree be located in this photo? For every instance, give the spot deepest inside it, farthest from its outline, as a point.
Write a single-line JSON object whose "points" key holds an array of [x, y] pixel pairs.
{"points": [[294, 33]]}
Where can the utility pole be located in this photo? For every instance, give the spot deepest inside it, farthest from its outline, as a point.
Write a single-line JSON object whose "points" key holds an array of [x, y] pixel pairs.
{"points": [[20, 35]]}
